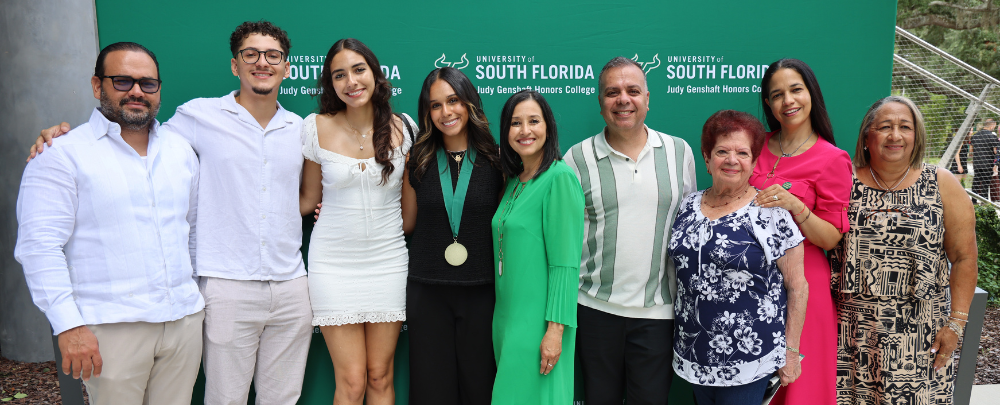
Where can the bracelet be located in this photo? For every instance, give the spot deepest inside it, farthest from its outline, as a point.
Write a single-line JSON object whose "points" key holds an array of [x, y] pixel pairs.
{"points": [[958, 319], [959, 312], [792, 349], [955, 328], [800, 212], [804, 220]]}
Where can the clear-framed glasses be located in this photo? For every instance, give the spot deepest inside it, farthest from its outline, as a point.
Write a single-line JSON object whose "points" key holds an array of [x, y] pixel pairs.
{"points": [[125, 83], [251, 55]]}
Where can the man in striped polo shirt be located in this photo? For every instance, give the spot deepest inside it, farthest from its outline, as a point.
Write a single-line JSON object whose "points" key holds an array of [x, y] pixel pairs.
{"points": [[634, 179]]}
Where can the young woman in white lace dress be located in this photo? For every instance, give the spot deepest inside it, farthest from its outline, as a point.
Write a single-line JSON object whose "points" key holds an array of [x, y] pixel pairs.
{"points": [[356, 151]]}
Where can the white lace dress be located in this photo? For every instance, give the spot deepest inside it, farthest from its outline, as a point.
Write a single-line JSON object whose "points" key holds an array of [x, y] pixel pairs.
{"points": [[357, 257]]}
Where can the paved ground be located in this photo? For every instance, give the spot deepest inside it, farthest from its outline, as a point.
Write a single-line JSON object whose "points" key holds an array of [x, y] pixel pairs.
{"points": [[985, 395]]}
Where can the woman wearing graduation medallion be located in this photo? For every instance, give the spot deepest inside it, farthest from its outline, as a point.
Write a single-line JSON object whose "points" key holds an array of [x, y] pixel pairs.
{"points": [[451, 192]]}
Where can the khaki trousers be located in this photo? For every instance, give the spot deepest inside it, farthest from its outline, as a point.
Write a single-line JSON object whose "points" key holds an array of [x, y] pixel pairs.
{"points": [[147, 363], [259, 331]]}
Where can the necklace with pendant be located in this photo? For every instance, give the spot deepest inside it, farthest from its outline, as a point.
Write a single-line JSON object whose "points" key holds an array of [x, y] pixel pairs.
{"points": [[361, 142], [887, 190], [457, 156], [783, 154], [516, 192], [786, 185]]}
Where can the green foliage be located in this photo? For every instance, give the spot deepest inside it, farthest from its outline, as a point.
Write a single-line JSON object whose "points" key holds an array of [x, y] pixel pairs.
{"points": [[988, 241], [975, 42]]}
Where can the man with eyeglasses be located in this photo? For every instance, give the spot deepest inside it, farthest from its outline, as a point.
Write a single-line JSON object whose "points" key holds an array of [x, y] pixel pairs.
{"points": [[257, 312], [106, 223], [258, 321]]}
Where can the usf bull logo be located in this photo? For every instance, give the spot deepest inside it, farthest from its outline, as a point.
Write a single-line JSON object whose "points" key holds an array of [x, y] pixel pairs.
{"points": [[647, 66], [461, 64]]}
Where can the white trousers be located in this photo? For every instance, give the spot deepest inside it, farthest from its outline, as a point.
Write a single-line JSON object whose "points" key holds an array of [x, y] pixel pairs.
{"points": [[147, 363], [259, 331]]}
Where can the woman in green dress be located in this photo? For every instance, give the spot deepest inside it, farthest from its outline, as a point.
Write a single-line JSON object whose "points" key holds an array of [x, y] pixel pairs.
{"points": [[537, 240]]}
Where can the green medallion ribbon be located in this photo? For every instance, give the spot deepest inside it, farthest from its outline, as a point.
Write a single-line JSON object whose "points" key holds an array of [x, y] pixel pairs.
{"points": [[454, 201]]}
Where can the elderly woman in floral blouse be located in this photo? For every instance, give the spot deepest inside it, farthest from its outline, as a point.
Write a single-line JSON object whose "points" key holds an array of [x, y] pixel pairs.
{"points": [[741, 292]]}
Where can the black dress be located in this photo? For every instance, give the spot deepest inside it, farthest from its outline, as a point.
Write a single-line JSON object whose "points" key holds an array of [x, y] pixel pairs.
{"points": [[450, 308], [963, 155]]}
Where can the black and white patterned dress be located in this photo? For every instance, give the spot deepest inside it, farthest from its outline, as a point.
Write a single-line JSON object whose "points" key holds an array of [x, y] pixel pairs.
{"points": [[890, 280]]}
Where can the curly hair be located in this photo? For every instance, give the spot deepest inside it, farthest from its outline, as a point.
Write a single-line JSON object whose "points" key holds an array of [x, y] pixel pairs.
{"points": [[331, 104], [261, 27], [725, 122]]}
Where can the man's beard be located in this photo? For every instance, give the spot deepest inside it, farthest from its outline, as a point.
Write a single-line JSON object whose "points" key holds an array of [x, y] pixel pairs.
{"points": [[262, 91], [129, 120]]}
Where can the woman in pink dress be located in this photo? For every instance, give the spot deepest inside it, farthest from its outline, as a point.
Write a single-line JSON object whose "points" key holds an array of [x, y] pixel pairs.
{"points": [[802, 171]]}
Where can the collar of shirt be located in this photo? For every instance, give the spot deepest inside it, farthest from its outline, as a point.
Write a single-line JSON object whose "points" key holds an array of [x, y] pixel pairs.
{"points": [[280, 119], [106, 242], [101, 126], [603, 149]]}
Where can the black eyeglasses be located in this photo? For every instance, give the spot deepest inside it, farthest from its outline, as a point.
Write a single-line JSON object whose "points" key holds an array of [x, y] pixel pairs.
{"points": [[125, 83], [272, 56]]}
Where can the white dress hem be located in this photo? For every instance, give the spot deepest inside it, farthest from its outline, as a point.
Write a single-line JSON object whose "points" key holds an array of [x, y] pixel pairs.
{"points": [[366, 317]]}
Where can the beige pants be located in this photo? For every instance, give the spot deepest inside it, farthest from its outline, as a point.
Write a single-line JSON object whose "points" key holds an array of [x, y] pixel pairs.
{"points": [[147, 363], [259, 331]]}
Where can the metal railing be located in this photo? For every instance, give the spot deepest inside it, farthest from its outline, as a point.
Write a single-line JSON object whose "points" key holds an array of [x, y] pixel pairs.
{"points": [[953, 96]]}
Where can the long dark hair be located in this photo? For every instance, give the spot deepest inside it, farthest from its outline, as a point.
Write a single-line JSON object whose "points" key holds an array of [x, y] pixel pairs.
{"points": [[430, 139], [510, 161], [818, 116], [330, 103]]}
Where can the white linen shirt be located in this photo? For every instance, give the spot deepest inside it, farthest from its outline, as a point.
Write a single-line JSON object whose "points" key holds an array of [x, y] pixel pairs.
{"points": [[249, 225], [106, 236]]}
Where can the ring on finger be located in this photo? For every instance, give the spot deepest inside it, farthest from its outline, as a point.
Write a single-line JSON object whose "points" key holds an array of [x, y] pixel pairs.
{"points": [[775, 197]]}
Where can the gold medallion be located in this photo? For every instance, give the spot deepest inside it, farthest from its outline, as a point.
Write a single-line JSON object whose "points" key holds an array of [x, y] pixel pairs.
{"points": [[456, 254]]}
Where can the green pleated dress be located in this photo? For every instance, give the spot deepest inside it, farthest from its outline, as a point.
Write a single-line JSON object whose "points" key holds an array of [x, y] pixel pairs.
{"points": [[542, 233]]}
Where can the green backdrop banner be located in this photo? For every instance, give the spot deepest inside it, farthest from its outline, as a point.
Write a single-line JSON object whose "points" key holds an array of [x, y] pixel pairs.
{"points": [[699, 57]]}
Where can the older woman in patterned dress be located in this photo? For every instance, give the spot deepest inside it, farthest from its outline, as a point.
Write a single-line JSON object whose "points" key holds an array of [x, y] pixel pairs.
{"points": [[741, 291], [901, 310]]}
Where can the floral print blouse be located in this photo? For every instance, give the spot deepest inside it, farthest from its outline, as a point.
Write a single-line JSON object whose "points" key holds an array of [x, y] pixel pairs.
{"points": [[731, 303]]}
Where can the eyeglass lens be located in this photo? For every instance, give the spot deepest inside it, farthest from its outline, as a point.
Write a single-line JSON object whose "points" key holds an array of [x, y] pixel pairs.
{"points": [[251, 55], [125, 83]]}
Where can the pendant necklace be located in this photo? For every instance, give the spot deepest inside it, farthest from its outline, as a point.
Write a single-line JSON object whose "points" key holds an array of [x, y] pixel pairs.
{"points": [[770, 175], [361, 142], [508, 207], [887, 190], [454, 200], [457, 156]]}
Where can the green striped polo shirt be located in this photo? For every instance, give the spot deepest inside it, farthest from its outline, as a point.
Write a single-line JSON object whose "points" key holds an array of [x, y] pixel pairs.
{"points": [[630, 209]]}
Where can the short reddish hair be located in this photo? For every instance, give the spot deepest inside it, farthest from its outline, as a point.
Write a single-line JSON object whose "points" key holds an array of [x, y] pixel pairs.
{"points": [[725, 122]]}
